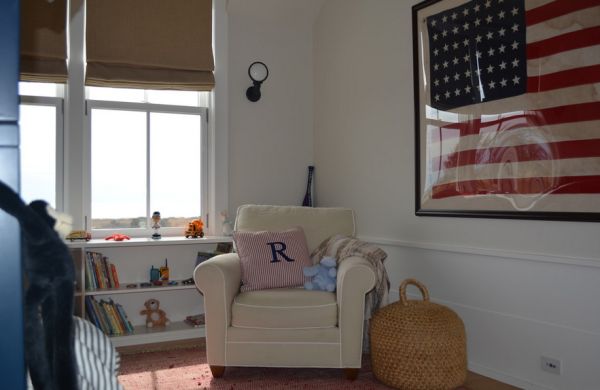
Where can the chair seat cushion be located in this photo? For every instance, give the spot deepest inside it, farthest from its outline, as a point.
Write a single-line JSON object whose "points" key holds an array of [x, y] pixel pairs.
{"points": [[284, 308]]}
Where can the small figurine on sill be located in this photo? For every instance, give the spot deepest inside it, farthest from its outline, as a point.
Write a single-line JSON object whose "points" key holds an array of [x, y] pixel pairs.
{"points": [[156, 220], [226, 225], [155, 317]]}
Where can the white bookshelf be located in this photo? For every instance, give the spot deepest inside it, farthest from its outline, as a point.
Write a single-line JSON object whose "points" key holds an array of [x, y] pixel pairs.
{"points": [[133, 259], [175, 331], [135, 290]]}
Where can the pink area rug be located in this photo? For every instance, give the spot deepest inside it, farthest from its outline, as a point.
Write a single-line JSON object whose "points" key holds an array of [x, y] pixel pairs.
{"points": [[187, 369]]}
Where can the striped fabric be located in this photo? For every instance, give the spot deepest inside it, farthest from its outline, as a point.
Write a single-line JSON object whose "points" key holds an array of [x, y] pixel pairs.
{"points": [[97, 359], [541, 141], [272, 259]]}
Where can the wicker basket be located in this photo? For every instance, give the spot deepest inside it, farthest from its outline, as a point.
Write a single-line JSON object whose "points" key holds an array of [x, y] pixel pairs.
{"points": [[418, 345]]}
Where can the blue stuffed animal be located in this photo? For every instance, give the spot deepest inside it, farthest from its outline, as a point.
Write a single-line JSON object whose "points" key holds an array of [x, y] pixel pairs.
{"points": [[323, 275]]}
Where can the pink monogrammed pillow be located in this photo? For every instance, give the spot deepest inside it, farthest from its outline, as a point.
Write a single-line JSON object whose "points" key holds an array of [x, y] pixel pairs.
{"points": [[272, 259]]}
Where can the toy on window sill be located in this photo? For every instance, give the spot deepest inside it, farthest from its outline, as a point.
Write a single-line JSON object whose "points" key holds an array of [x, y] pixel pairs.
{"points": [[117, 237], [226, 224], [79, 235], [195, 229], [323, 275], [155, 317]]}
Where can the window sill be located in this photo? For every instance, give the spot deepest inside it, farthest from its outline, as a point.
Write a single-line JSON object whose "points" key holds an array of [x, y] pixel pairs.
{"points": [[179, 240]]}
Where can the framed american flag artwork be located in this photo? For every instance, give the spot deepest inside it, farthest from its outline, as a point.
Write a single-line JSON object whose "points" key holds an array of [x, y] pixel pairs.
{"points": [[507, 108]]}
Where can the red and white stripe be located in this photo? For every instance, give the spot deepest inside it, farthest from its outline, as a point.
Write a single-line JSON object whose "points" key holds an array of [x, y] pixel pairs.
{"points": [[258, 270], [546, 141]]}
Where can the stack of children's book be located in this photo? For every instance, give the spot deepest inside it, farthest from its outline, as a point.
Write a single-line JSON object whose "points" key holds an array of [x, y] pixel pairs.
{"points": [[99, 272], [108, 316]]}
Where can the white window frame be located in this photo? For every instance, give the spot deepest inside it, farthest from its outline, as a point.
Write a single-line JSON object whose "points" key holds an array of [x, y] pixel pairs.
{"points": [[76, 197], [147, 108], [58, 104]]}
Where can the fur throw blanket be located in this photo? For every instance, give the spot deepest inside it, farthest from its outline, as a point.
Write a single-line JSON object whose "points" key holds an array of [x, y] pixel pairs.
{"points": [[343, 247]]}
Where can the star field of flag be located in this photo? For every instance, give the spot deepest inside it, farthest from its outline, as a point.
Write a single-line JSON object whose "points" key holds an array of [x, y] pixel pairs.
{"points": [[477, 53]]}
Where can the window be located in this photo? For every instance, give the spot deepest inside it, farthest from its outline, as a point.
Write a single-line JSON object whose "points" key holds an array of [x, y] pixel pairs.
{"points": [[41, 124], [57, 153], [146, 157]]}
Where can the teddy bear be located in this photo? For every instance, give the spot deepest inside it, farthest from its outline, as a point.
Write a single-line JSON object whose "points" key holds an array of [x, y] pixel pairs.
{"points": [[154, 315], [323, 275]]}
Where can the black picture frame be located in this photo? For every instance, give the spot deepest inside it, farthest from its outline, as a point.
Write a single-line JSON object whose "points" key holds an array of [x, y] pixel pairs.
{"points": [[505, 197]]}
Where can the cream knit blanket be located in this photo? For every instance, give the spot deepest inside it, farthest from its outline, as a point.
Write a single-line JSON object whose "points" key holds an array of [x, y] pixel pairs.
{"points": [[343, 247]]}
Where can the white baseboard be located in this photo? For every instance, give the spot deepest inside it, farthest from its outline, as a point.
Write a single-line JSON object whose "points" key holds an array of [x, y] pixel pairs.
{"points": [[505, 378]]}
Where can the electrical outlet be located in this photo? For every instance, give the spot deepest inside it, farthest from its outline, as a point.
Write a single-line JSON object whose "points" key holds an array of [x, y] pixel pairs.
{"points": [[551, 365]]}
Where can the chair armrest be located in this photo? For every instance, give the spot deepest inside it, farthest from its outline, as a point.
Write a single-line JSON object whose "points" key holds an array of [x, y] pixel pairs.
{"points": [[357, 274], [218, 279], [355, 279]]}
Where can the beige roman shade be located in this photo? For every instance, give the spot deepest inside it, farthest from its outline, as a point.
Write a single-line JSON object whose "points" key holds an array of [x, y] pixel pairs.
{"points": [[43, 41], [151, 44]]}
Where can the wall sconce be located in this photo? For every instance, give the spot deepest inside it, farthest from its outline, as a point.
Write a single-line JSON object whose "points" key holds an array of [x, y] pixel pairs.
{"points": [[258, 72]]}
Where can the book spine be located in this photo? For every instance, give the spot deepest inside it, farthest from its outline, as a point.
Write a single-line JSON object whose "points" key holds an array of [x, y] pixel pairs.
{"points": [[103, 271], [97, 267], [125, 318], [101, 317], [115, 275], [108, 270], [90, 270], [89, 280], [91, 313], [114, 329], [120, 320], [114, 319], [94, 270]]}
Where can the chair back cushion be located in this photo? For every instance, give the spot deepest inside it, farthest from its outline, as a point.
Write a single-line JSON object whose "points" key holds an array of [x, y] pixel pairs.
{"points": [[318, 223]]}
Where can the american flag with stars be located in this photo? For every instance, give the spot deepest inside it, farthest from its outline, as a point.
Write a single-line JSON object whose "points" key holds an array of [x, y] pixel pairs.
{"points": [[477, 53], [514, 102]]}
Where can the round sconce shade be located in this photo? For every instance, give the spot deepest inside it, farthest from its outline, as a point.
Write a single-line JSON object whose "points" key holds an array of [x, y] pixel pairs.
{"points": [[258, 71]]}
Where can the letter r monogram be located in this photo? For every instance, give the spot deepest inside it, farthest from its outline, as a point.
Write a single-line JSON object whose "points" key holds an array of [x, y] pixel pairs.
{"points": [[278, 248]]}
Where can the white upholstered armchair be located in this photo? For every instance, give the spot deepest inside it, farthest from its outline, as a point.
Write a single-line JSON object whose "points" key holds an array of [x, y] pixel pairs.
{"points": [[285, 327]]}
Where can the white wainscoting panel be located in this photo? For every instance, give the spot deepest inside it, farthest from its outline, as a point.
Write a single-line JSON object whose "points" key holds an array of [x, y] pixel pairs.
{"points": [[515, 310]]}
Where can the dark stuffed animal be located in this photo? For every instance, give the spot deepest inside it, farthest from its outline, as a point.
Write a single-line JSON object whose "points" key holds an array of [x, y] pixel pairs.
{"points": [[50, 274]]}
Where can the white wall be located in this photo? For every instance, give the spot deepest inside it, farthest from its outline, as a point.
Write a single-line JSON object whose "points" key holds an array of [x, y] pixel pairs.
{"points": [[523, 288], [270, 141]]}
